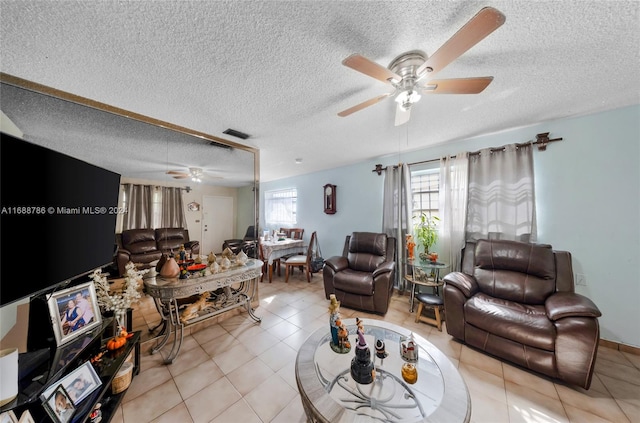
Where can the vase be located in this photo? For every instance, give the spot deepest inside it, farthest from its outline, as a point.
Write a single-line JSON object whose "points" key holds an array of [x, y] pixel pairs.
{"points": [[170, 269], [120, 319]]}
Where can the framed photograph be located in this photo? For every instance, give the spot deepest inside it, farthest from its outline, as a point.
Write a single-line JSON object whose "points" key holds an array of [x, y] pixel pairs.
{"points": [[59, 406], [74, 311], [78, 384], [26, 417], [8, 417]]}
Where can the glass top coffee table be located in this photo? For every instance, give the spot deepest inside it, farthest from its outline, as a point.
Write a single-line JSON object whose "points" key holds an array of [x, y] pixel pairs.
{"points": [[329, 393]]}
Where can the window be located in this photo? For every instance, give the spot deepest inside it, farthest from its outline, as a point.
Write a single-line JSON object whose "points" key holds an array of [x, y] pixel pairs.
{"points": [[280, 208], [425, 191]]}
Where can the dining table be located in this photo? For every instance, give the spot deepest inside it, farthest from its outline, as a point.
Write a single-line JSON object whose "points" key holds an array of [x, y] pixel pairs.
{"points": [[277, 248]]}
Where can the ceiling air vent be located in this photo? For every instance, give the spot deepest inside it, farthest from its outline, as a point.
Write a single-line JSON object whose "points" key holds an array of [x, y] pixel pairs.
{"points": [[220, 145], [235, 133]]}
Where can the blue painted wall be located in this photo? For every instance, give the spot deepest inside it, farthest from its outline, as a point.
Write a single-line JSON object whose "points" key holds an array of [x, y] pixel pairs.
{"points": [[587, 196]]}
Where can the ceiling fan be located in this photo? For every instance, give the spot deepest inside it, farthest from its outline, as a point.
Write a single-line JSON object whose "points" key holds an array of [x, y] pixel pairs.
{"points": [[411, 73], [196, 174]]}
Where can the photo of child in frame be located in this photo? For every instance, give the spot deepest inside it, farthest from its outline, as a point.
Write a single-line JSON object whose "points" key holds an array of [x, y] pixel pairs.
{"points": [[59, 405]]}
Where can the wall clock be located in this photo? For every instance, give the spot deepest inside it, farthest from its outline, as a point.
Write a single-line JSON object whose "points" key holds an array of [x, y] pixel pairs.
{"points": [[330, 199]]}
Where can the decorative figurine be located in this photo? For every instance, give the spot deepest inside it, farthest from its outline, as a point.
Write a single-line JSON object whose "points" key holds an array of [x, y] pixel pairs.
{"points": [[211, 258], [182, 253], [96, 414], [408, 349], [343, 338], [409, 353], [334, 316], [380, 349], [184, 274], [362, 368], [339, 333], [411, 245], [409, 373]]}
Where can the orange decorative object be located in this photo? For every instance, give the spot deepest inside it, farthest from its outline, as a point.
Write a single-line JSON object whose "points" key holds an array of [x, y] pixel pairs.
{"points": [[117, 342], [411, 245], [433, 257]]}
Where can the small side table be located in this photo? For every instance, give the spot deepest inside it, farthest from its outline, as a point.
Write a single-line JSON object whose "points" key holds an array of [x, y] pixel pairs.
{"points": [[423, 273]]}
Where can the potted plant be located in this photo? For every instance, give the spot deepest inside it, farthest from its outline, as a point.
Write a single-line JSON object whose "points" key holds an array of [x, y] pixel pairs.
{"points": [[427, 234]]}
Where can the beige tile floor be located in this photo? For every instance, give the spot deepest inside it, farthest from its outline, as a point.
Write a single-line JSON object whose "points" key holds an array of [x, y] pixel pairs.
{"points": [[238, 371]]}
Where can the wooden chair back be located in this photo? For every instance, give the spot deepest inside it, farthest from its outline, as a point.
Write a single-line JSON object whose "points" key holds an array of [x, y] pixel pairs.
{"points": [[296, 233]]}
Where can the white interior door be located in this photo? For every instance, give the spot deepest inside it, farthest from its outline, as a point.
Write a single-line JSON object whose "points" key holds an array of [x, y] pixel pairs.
{"points": [[217, 223]]}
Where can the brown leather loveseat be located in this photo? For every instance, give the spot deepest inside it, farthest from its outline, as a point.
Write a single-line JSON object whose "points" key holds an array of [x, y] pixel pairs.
{"points": [[516, 301], [147, 245], [363, 277]]}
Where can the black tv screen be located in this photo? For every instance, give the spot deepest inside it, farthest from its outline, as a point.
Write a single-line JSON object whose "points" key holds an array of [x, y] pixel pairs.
{"points": [[57, 221]]}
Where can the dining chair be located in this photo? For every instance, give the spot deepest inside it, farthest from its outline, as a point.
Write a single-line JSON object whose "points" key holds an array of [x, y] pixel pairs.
{"points": [[296, 233], [286, 231], [302, 261], [265, 267]]}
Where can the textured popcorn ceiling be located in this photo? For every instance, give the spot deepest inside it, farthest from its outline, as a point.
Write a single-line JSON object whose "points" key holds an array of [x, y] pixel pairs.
{"points": [[273, 69]]}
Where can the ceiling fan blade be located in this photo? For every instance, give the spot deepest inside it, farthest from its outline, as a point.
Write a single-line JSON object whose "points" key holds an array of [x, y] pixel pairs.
{"points": [[482, 24], [457, 86], [370, 68], [402, 115], [362, 105]]}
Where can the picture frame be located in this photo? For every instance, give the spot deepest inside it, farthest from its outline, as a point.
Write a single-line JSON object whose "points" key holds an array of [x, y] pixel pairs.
{"points": [[74, 311], [59, 405], [78, 384], [8, 417]]}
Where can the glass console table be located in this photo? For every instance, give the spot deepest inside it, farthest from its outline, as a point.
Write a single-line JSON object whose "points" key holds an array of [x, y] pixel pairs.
{"points": [[228, 289]]}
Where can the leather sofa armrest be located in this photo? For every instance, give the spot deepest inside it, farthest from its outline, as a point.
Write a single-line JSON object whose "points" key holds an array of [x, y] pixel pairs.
{"points": [[337, 263], [385, 267], [570, 304], [465, 283], [122, 258]]}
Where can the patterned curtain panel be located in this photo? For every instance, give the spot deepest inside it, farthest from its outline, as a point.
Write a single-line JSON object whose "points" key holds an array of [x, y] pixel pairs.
{"points": [[137, 202], [501, 203], [172, 208]]}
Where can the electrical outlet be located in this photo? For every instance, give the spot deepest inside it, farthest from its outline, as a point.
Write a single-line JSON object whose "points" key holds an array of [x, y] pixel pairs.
{"points": [[581, 279]]}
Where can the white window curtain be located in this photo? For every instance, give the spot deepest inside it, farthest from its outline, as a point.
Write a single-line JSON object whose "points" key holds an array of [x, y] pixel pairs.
{"points": [[280, 208], [454, 176], [396, 213], [501, 201]]}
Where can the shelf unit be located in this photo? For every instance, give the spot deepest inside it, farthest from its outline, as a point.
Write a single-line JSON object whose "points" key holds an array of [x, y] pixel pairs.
{"points": [[41, 369]]}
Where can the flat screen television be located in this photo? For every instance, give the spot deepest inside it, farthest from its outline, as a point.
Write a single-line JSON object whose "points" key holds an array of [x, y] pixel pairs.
{"points": [[57, 218]]}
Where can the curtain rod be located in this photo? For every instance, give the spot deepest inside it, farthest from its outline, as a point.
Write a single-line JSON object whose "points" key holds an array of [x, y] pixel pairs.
{"points": [[541, 141]]}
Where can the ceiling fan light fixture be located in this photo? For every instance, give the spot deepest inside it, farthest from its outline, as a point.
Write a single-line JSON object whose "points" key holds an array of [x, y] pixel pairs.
{"points": [[409, 97]]}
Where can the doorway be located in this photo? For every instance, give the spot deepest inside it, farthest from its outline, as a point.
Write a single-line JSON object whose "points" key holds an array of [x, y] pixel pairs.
{"points": [[217, 223]]}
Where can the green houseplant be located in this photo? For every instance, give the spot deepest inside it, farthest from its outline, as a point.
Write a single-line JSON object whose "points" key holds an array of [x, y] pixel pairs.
{"points": [[427, 234]]}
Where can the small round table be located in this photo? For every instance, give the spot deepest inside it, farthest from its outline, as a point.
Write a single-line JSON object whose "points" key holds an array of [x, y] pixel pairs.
{"points": [[423, 273]]}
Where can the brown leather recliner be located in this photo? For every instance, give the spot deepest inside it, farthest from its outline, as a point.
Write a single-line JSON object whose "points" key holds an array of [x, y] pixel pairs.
{"points": [[516, 301], [363, 277], [145, 246]]}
